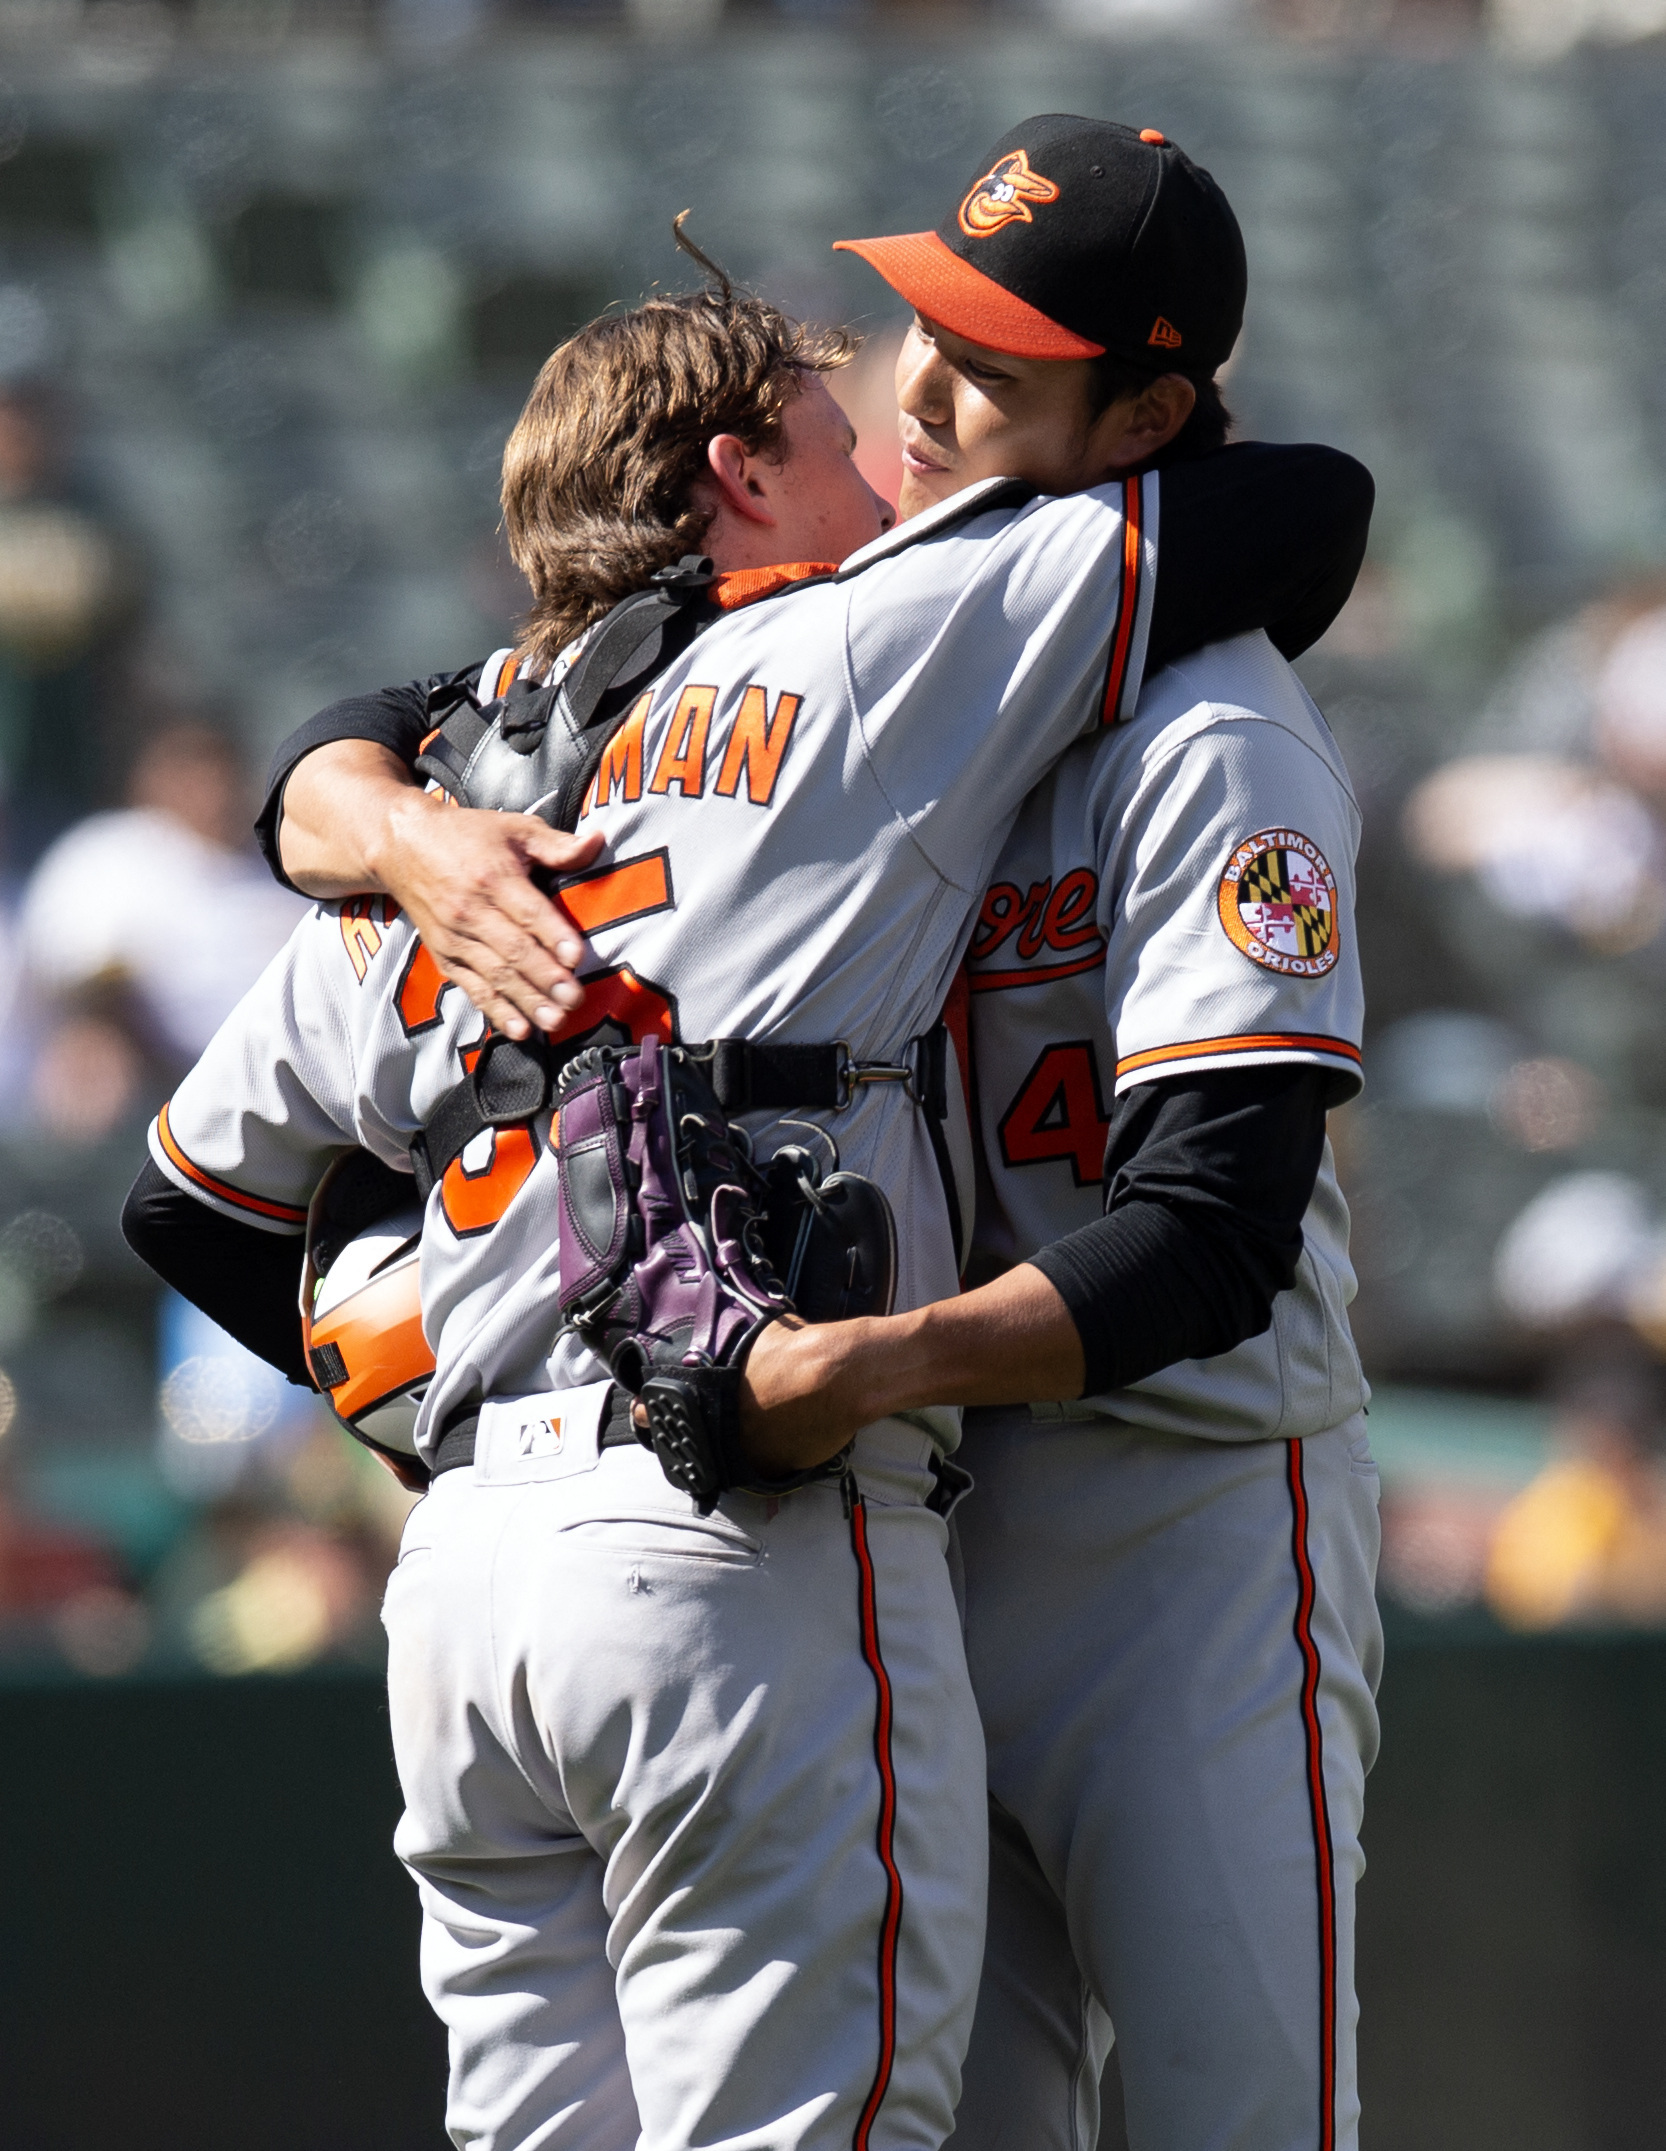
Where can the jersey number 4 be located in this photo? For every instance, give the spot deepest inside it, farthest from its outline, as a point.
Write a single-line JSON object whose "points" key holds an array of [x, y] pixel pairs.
{"points": [[1059, 1113]]}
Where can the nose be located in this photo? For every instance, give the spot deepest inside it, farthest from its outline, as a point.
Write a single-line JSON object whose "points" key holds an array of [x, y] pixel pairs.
{"points": [[923, 392], [887, 514]]}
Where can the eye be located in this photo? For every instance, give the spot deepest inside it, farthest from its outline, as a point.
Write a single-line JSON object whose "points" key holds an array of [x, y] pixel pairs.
{"points": [[984, 373]]}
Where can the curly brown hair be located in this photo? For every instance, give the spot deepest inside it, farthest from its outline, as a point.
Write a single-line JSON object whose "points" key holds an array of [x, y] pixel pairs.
{"points": [[599, 474]]}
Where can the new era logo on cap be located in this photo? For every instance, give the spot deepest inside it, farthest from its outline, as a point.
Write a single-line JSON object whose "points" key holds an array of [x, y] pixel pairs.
{"points": [[1079, 237]]}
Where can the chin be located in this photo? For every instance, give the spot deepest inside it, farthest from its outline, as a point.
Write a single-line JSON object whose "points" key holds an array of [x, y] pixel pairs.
{"points": [[924, 489]]}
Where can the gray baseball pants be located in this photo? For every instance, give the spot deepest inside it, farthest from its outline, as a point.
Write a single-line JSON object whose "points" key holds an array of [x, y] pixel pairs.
{"points": [[695, 1807], [1175, 1649]]}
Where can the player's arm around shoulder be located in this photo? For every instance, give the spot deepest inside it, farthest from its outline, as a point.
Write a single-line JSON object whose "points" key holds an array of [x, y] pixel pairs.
{"points": [[984, 586], [346, 814], [977, 656]]}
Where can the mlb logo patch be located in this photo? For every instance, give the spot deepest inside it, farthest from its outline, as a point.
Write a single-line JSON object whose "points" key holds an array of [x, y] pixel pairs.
{"points": [[539, 1437], [550, 1434]]}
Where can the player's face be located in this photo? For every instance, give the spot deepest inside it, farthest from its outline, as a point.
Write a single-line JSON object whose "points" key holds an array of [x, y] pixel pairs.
{"points": [[824, 508], [966, 413]]}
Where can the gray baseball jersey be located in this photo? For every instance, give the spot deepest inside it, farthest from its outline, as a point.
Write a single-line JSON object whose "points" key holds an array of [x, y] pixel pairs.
{"points": [[1173, 1641], [800, 815], [1177, 895]]}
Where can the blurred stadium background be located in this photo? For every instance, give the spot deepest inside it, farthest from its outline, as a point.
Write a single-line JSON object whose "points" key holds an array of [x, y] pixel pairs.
{"points": [[274, 277]]}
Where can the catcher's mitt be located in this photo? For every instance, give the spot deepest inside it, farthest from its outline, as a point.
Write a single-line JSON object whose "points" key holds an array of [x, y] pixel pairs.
{"points": [[671, 1238]]}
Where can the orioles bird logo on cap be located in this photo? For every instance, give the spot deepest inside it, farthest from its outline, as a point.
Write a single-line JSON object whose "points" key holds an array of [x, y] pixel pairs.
{"points": [[1003, 196]]}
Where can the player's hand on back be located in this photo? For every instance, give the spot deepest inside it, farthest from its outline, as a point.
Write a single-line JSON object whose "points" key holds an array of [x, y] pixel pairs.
{"points": [[355, 819], [463, 878]]}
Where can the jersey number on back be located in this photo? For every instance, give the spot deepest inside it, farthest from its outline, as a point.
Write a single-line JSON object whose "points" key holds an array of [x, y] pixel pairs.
{"points": [[619, 1009], [1059, 1113]]}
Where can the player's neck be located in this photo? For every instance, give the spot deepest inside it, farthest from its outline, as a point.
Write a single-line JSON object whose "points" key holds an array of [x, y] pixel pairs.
{"points": [[734, 545]]}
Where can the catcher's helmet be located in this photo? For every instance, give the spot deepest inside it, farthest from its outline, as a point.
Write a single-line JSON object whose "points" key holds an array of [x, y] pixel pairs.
{"points": [[361, 1316]]}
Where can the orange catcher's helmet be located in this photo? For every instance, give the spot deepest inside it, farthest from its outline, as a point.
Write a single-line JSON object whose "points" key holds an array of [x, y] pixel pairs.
{"points": [[361, 1311]]}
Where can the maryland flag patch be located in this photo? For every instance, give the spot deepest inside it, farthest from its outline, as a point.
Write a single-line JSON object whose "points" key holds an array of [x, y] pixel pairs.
{"points": [[1278, 903]]}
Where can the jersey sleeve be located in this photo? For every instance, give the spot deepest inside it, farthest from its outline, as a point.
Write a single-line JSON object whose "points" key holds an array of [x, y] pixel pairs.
{"points": [[253, 1126], [1227, 904], [978, 654]]}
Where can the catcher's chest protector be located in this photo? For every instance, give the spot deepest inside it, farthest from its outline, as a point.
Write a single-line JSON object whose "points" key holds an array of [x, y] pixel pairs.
{"points": [[535, 749]]}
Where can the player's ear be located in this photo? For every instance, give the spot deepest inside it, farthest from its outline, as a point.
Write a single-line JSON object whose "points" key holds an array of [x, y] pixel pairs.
{"points": [[735, 477], [1163, 408]]}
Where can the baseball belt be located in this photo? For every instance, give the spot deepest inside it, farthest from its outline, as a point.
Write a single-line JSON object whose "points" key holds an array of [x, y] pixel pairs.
{"points": [[456, 1444], [951, 1481]]}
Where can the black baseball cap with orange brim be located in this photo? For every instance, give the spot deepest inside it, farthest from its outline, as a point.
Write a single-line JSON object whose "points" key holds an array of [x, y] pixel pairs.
{"points": [[1079, 237]]}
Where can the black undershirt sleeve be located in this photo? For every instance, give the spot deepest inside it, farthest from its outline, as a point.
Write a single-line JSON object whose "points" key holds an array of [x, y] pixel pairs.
{"points": [[393, 717], [1257, 535], [247, 1280], [1207, 1179]]}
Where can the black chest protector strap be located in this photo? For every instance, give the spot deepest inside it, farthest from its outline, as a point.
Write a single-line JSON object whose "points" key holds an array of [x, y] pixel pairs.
{"points": [[535, 750]]}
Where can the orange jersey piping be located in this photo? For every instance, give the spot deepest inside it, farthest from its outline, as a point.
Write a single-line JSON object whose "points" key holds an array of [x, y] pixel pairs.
{"points": [[1224, 1048], [1128, 598], [285, 1213]]}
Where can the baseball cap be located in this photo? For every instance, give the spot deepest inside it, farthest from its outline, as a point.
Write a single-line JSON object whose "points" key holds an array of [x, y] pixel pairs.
{"points": [[1077, 237]]}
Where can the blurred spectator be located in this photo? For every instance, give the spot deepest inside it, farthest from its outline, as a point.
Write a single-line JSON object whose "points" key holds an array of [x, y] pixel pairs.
{"points": [[63, 589], [1587, 1247], [289, 1567], [1544, 29], [146, 925], [1548, 840], [88, 1074], [1559, 820], [299, 1593], [1546, 700], [1436, 1536], [1586, 1541], [1558, 827], [227, 1417], [64, 1591]]}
